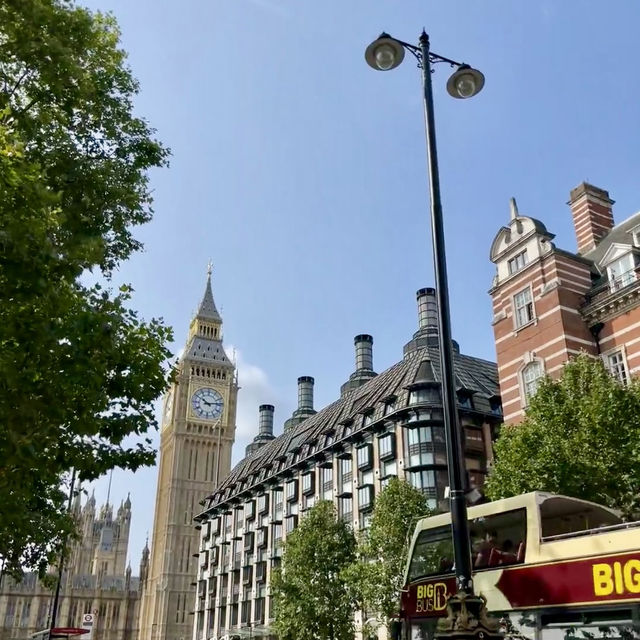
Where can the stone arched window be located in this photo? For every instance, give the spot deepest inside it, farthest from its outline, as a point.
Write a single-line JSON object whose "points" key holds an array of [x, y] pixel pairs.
{"points": [[532, 375]]}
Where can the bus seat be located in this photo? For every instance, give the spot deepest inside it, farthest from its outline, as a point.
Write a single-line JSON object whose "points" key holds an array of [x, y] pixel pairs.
{"points": [[481, 560], [520, 556], [494, 557]]}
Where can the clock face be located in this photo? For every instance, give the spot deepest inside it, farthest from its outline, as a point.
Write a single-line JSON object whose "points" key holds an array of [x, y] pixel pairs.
{"points": [[207, 403], [168, 407]]}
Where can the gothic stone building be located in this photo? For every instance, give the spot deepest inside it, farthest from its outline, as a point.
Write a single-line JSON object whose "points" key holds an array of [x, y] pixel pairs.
{"points": [[381, 426], [96, 580], [549, 303]]}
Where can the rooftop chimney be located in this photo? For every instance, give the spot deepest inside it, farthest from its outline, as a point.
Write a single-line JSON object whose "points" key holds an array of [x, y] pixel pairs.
{"points": [[427, 334], [364, 363], [364, 352], [265, 424], [265, 429], [592, 215], [305, 403], [427, 310], [305, 393]]}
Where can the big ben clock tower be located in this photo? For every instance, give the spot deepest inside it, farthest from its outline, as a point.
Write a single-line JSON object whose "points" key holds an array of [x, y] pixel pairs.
{"points": [[198, 430]]}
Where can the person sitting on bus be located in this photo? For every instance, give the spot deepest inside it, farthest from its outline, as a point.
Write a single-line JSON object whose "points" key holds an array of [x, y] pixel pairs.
{"points": [[508, 555], [484, 549]]}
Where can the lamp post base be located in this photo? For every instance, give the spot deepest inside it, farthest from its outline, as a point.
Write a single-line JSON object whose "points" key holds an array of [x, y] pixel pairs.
{"points": [[468, 619]]}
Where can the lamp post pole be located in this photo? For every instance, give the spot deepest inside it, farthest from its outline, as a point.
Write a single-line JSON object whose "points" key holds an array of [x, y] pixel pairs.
{"points": [[455, 459], [467, 616]]}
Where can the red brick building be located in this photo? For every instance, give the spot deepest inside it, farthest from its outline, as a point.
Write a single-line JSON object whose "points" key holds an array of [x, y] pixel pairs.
{"points": [[549, 304]]}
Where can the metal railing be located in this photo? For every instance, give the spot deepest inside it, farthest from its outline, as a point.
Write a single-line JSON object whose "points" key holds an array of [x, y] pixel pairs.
{"points": [[611, 287]]}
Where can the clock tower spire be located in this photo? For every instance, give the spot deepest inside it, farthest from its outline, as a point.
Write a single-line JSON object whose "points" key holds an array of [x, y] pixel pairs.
{"points": [[198, 431]]}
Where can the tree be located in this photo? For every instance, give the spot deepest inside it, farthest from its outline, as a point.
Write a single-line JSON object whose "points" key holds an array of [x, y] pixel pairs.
{"points": [[79, 369], [378, 575], [313, 600], [580, 437]]}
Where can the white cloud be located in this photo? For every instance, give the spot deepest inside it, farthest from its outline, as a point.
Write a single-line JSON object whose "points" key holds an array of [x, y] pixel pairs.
{"points": [[255, 389]]}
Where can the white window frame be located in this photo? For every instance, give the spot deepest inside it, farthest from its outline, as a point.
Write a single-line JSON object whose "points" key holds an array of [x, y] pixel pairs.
{"points": [[515, 308], [619, 370], [626, 276], [524, 383], [518, 262]]}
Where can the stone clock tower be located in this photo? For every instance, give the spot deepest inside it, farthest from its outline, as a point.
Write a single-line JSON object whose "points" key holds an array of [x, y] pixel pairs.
{"points": [[198, 430]]}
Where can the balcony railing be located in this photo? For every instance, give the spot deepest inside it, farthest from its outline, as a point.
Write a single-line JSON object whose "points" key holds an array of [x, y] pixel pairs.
{"points": [[611, 287]]}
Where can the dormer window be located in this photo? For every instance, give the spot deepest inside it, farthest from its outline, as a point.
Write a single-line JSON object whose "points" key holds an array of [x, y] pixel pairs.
{"points": [[621, 272], [518, 262], [464, 400]]}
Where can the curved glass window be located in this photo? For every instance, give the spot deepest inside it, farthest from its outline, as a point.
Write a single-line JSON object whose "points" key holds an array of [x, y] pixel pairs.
{"points": [[420, 446]]}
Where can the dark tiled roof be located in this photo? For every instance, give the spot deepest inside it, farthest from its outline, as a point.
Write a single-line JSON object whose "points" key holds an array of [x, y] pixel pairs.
{"points": [[479, 377], [620, 234], [207, 350]]}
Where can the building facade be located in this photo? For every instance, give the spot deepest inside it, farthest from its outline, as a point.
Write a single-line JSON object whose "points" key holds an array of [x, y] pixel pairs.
{"points": [[550, 304], [381, 426], [96, 580], [198, 431]]}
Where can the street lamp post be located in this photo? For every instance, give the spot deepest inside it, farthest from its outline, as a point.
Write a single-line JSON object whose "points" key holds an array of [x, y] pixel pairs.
{"points": [[467, 616]]}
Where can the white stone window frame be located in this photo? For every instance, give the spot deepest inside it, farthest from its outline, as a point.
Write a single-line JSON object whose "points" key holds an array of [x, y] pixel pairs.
{"points": [[518, 327], [622, 352], [518, 262], [620, 280], [525, 397]]}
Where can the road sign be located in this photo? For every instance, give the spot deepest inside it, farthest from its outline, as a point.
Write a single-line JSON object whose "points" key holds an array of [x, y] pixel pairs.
{"points": [[87, 625]]}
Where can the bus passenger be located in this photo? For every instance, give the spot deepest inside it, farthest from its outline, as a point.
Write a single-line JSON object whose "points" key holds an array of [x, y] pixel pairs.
{"points": [[508, 555]]}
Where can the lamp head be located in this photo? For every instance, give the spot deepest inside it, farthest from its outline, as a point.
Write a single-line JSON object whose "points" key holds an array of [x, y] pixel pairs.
{"points": [[465, 82], [384, 53]]}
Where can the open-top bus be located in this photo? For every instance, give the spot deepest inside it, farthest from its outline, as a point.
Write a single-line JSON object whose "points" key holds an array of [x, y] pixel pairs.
{"points": [[558, 561]]}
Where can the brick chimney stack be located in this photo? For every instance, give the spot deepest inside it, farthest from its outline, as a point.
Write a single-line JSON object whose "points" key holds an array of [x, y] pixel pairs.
{"points": [[592, 215]]}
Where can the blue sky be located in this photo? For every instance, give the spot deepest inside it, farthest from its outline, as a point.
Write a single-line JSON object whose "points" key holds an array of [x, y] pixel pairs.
{"points": [[301, 172]]}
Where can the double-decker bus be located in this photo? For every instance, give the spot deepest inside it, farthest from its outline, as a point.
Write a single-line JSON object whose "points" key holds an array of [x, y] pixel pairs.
{"points": [[553, 561]]}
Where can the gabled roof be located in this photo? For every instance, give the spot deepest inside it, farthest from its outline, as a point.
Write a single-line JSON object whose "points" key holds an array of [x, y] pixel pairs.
{"points": [[620, 234]]}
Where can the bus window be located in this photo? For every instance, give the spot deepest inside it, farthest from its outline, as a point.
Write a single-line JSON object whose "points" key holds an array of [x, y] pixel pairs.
{"points": [[562, 516], [432, 553], [423, 629], [498, 539]]}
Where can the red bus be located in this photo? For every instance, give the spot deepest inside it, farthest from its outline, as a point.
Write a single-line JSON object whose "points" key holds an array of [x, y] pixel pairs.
{"points": [[545, 562]]}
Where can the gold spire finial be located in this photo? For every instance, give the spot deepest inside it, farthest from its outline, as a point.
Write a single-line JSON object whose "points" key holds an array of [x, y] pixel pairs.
{"points": [[209, 267]]}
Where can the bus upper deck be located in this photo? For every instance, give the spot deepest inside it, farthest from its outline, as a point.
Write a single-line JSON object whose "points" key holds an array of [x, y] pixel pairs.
{"points": [[537, 551]]}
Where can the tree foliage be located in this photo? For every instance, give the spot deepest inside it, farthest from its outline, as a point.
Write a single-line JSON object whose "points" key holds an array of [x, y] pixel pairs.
{"points": [[313, 600], [378, 575], [580, 437], [79, 369]]}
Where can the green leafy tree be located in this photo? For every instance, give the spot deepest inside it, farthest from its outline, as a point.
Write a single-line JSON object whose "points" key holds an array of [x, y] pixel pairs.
{"points": [[580, 437], [313, 600], [79, 370], [378, 575]]}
